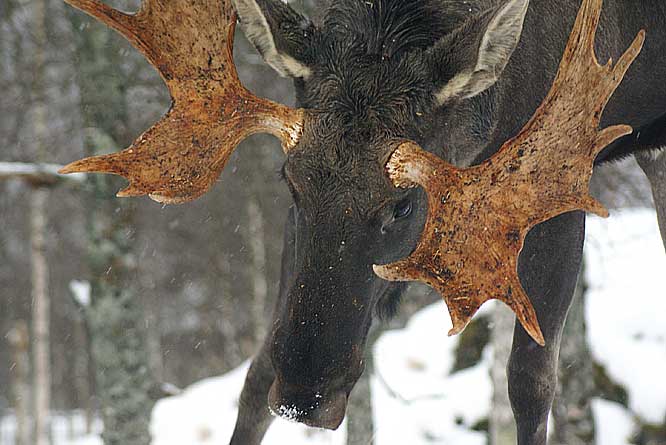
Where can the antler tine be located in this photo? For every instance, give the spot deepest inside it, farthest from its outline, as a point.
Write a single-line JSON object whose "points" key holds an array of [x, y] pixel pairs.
{"points": [[478, 218], [190, 43], [113, 18], [610, 134]]}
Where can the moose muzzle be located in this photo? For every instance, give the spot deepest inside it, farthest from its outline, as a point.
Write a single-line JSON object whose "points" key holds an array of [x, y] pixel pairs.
{"points": [[305, 406]]}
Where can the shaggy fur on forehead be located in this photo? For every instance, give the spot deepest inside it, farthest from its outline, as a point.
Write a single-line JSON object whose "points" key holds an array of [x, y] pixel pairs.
{"points": [[368, 70], [365, 97], [391, 27]]}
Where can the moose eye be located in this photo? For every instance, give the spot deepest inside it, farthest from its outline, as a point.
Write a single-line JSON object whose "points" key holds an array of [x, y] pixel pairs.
{"points": [[402, 209]]}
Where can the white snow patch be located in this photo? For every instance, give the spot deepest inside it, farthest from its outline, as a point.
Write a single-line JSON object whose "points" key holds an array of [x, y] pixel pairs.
{"points": [[80, 291], [205, 414], [66, 429], [415, 399], [415, 362], [626, 306], [614, 425]]}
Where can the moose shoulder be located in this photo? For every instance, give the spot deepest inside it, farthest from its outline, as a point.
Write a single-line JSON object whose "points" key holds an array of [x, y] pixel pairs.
{"points": [[458, 78]]}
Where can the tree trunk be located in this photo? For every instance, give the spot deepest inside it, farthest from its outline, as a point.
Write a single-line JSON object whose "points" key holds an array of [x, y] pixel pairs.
{"points": [[259, 286], [654, 166], [115, 321], [40, 316], [232, 350], [82, 372], [115, 315], [19, 341], [360, 422], [572, 412], [360, 428], [502, 424], [40, 278], [154, 344], [60, 393]]}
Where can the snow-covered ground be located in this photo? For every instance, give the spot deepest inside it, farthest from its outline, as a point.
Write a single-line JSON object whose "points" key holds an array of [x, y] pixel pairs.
{"points": [[66, 429], [414, 363], [206, 412], [626, 307], [416, 399]]}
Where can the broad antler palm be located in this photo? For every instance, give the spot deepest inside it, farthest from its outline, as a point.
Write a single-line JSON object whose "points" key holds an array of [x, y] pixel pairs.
{"points": [[190, 43], [478, 217]]}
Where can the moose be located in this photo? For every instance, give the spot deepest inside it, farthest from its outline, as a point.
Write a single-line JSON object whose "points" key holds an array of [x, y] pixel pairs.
{"points": [[403, 164]]}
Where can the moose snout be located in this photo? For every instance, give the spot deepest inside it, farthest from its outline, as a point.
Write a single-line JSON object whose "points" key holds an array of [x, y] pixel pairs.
{"points": [[313, 379], [316, 359], [313, 408]]}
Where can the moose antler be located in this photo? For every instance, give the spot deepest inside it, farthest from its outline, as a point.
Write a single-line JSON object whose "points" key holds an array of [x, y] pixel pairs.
{"points": [[478, 217], [190, 43]]}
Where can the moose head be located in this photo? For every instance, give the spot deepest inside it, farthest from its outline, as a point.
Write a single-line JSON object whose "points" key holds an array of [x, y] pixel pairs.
{"points": [[353, 160]]}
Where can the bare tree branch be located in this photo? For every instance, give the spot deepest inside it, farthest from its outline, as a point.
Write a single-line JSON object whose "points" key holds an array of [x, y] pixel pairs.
{"points": [[37, 174]]}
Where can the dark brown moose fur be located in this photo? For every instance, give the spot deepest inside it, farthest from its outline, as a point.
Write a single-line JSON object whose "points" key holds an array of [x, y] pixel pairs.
{"points": [[373, 72]]}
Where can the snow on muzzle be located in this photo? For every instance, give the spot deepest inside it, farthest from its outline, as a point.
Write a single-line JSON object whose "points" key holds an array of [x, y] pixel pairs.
{"points": [[309, 407]]}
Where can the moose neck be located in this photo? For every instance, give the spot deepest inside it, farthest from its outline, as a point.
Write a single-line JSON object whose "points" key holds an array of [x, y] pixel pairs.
{"points": [[468, 131], [472, 130]]}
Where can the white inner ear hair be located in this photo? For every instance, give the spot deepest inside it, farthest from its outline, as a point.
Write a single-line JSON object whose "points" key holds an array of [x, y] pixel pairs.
{"points": [[258, 32], [655, 153], [454, 87], [295, 68]]}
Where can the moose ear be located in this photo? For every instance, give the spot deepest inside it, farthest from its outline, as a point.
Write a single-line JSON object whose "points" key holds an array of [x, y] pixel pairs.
{"points": [[280, 34], [470, 59]]}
